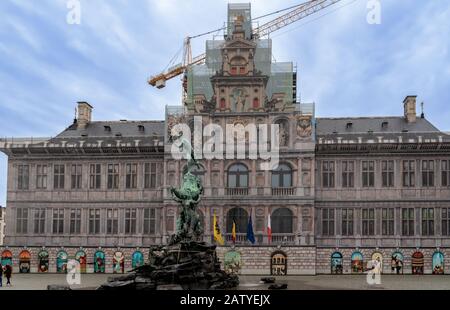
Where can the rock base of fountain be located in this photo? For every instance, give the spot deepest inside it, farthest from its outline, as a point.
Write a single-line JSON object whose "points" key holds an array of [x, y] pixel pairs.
{"points": [[185, 265]]}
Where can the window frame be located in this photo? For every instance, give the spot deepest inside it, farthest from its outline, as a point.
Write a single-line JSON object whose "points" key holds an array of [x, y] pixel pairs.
{"points": [[387, 173], [368, 173]]}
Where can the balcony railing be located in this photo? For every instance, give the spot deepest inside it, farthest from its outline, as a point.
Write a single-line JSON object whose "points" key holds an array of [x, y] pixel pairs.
{"points": [[283, 191], [236, 191], [283, 239]]}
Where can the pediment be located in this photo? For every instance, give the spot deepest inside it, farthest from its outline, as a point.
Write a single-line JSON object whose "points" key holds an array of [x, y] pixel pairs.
{"points": [[240, 43]]}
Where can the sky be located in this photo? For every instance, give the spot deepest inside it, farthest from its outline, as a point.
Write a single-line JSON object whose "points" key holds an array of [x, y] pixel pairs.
{"points": [[346, 65]]}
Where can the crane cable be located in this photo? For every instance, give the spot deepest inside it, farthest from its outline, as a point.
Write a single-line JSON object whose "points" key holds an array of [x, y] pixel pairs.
{"points": [[312, 20], [253, 19]]}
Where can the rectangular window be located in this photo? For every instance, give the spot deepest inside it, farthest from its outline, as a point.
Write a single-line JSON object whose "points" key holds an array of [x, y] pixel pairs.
{"points": [[131, 176], [445, 217], [149, 221], [95, 176], [428, 173], [130, 221], [75, 221], [233, 70], [368, 173], [23, 176], [347, 222], [328, 222], [94, 221], [21, 220], [348, 173], [368, 222], [445, 172], [113, 176], [41, 176], [408, 221], [387, 221], [58, 176], [39, 220], [112, 221], [58, 221], [409, 173], [428, 221], [387, 173], [150, 172], [76, 176], [328, 174]]}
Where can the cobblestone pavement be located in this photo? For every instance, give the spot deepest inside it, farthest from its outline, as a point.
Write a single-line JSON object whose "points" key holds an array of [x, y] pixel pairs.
{"points": [[346, 282]]}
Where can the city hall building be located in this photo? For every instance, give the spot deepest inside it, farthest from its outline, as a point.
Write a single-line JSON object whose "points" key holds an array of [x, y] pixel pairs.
{"points": [[346, 190]]}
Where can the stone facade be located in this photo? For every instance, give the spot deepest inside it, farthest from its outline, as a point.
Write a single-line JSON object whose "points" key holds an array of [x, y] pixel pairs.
{"points": [[2, 224], [370, 184]]}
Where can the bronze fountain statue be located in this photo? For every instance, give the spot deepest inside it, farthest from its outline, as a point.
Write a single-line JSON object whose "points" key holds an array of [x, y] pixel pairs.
{"points": [[184, 263], [188, 195]]}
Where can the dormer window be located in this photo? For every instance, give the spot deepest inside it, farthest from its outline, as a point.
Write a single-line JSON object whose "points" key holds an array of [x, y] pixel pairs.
{"points": [[384, 125], [141, 128], [107, 128], [118, 134], [349, 126]]}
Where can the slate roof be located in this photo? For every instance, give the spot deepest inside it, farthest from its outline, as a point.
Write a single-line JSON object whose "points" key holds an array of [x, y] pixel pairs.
{"points": [[360, 125], [117, 128]]}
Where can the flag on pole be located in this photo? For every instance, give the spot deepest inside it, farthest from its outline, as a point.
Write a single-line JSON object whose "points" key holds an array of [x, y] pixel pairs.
{"points": [[233, 231], [269, 230], [250, 234], [217, 234]]}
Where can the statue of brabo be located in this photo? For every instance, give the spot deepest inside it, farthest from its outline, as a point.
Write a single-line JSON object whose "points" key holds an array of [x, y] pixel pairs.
{"points": [[188, 195]]}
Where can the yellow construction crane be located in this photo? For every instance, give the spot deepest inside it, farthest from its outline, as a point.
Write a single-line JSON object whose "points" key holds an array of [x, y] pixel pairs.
{"points": [[296, 13]]}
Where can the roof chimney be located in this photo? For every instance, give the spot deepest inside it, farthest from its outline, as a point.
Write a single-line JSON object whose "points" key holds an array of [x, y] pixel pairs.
{"points": [[84, 114], [409, 105]]}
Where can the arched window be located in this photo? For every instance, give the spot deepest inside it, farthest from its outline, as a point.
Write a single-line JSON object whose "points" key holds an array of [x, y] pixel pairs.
{"points": [[357, 262], [99, 262], [237, 65], [118, 262], [417, 263], [336, 263], [24, 261], [377, 256], [397, 263], [80, 257], [438, 263], [43, 261], [61, 262], [238, 176], [282, 176], [240, 217], [137, 259], [278, 264], [282, 219]]}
